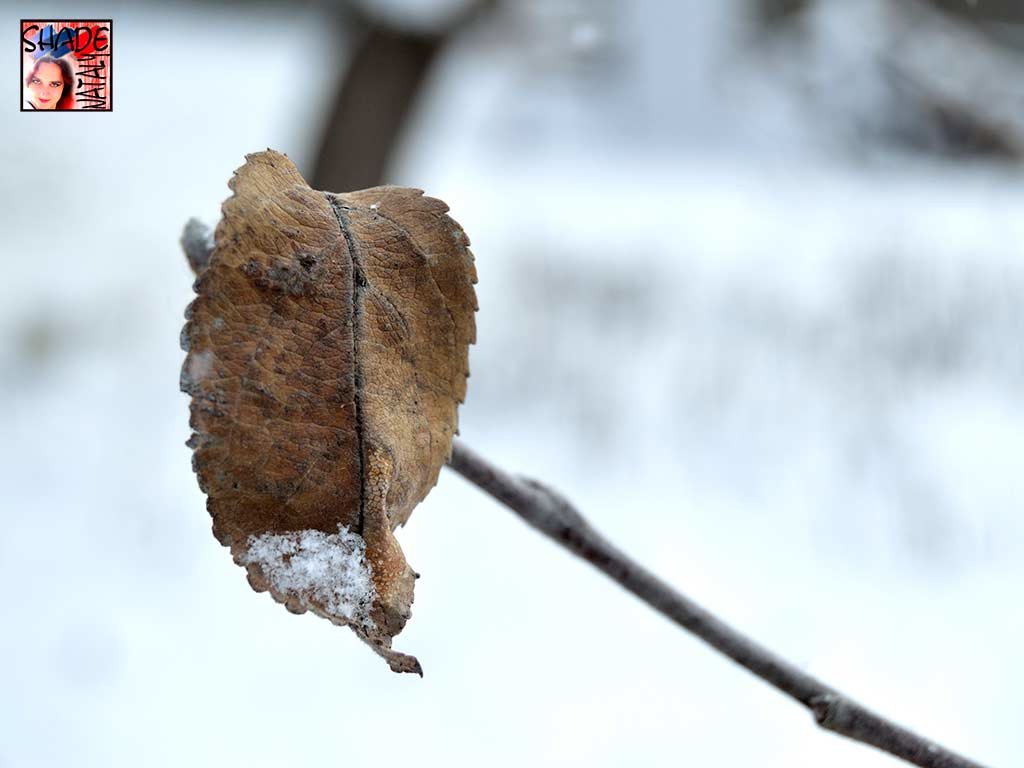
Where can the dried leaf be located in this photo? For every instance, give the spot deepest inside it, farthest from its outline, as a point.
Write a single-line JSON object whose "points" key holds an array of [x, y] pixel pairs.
{"points": [[327, 355]]}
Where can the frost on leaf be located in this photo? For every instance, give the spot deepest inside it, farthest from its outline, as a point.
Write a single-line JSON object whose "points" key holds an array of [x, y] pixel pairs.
{"points": [[327, 355]]}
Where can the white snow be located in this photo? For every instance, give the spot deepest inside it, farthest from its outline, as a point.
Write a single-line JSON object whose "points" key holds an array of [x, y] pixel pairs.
{"points": [[325, 571]]}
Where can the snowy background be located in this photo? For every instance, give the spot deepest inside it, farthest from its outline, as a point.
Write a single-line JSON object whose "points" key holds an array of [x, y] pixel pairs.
{"points": [[777, 361]]}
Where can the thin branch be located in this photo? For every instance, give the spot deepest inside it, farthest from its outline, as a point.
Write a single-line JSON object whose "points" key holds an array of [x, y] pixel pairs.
{"points": [[551, 514]]}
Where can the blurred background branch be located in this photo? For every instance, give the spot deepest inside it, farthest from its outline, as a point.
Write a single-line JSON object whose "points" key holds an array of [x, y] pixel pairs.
{"points": [[951, 66]]}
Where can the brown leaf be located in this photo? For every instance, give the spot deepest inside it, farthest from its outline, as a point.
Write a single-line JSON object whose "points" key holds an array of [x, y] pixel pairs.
{"points": [[327, 355]]}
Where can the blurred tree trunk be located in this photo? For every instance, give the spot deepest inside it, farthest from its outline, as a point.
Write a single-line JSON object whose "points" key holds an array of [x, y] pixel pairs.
{"points": [[373, 100], [375, 97]]}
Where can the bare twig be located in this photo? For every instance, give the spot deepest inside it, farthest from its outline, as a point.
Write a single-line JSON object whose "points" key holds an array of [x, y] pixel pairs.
{"points": [[553, 515]]}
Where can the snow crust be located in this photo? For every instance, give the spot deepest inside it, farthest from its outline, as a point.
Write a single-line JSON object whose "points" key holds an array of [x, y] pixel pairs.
{"points": [[328, 572]]}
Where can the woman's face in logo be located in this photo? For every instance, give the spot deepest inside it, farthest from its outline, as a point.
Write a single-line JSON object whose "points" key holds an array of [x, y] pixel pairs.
{"points": [[46, 86]]}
